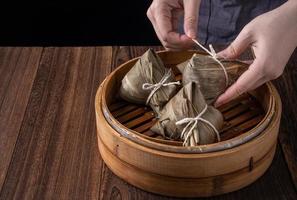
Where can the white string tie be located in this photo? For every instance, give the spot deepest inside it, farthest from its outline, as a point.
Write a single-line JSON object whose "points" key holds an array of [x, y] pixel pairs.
{"points": [[213, 55], [155, 87], [192, 122]]}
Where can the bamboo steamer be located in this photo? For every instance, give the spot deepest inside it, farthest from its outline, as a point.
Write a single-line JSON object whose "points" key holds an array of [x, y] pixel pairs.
{"points": [[165, 167]]}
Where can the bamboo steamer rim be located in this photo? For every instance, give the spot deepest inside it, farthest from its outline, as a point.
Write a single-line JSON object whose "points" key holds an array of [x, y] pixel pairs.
{"points": [[137, 138], [214, 147]]}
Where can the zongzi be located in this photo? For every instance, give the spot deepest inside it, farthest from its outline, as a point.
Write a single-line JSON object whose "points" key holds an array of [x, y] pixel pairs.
{"points": [[210, 76], [187, 117], [149, 82]]}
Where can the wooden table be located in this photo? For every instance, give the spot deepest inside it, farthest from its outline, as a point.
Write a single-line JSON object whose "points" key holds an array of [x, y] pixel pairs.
{"points": [[48, 145]]}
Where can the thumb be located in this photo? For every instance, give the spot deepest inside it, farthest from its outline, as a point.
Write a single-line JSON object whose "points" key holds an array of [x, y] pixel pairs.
{"points": [[238, 46], [249, 80], [191, 9]]}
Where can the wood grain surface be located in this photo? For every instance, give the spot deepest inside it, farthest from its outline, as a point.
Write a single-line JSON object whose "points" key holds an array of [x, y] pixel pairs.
{"points": [[48, 144]]}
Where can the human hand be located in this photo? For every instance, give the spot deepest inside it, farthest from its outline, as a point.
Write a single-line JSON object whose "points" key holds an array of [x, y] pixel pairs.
{"points": [[273, 37], [164, 16]]}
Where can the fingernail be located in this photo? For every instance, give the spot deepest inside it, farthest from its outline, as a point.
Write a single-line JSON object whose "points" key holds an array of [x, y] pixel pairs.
{"points": [[191, 34]]}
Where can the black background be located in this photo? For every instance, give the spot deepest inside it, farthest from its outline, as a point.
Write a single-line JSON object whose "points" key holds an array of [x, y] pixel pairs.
{"points": [[72, 23]]}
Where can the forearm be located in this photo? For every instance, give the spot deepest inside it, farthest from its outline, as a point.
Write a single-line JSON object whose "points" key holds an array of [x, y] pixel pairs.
{"points": [[287, 14]]}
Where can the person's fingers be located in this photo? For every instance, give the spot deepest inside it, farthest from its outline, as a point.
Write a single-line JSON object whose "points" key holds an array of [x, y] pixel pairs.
{"points": [[176, 16], [162, 20], [191, 9], [167, 46], [153, 21], [249, 80], [238, 46], [177, 40], [151, 17], [172, 36]]}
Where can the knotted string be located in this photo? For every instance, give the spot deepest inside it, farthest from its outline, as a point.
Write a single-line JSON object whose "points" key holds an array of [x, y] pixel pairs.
{"points": [[194, 121], [213, 55], [157, 86]]}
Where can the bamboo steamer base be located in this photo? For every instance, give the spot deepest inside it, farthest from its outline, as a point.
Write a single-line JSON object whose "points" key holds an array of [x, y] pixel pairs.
{"points": [[165, 167], [185, 187]]}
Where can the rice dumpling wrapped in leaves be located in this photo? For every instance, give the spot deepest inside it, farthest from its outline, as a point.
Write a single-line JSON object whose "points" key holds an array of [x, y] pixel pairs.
{"points": [[181, 66], [210, 75], [187, 116], [149, 82]]}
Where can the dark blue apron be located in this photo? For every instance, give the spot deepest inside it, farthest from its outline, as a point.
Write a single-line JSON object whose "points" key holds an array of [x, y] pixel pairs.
{"points": [[221, 21]]}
